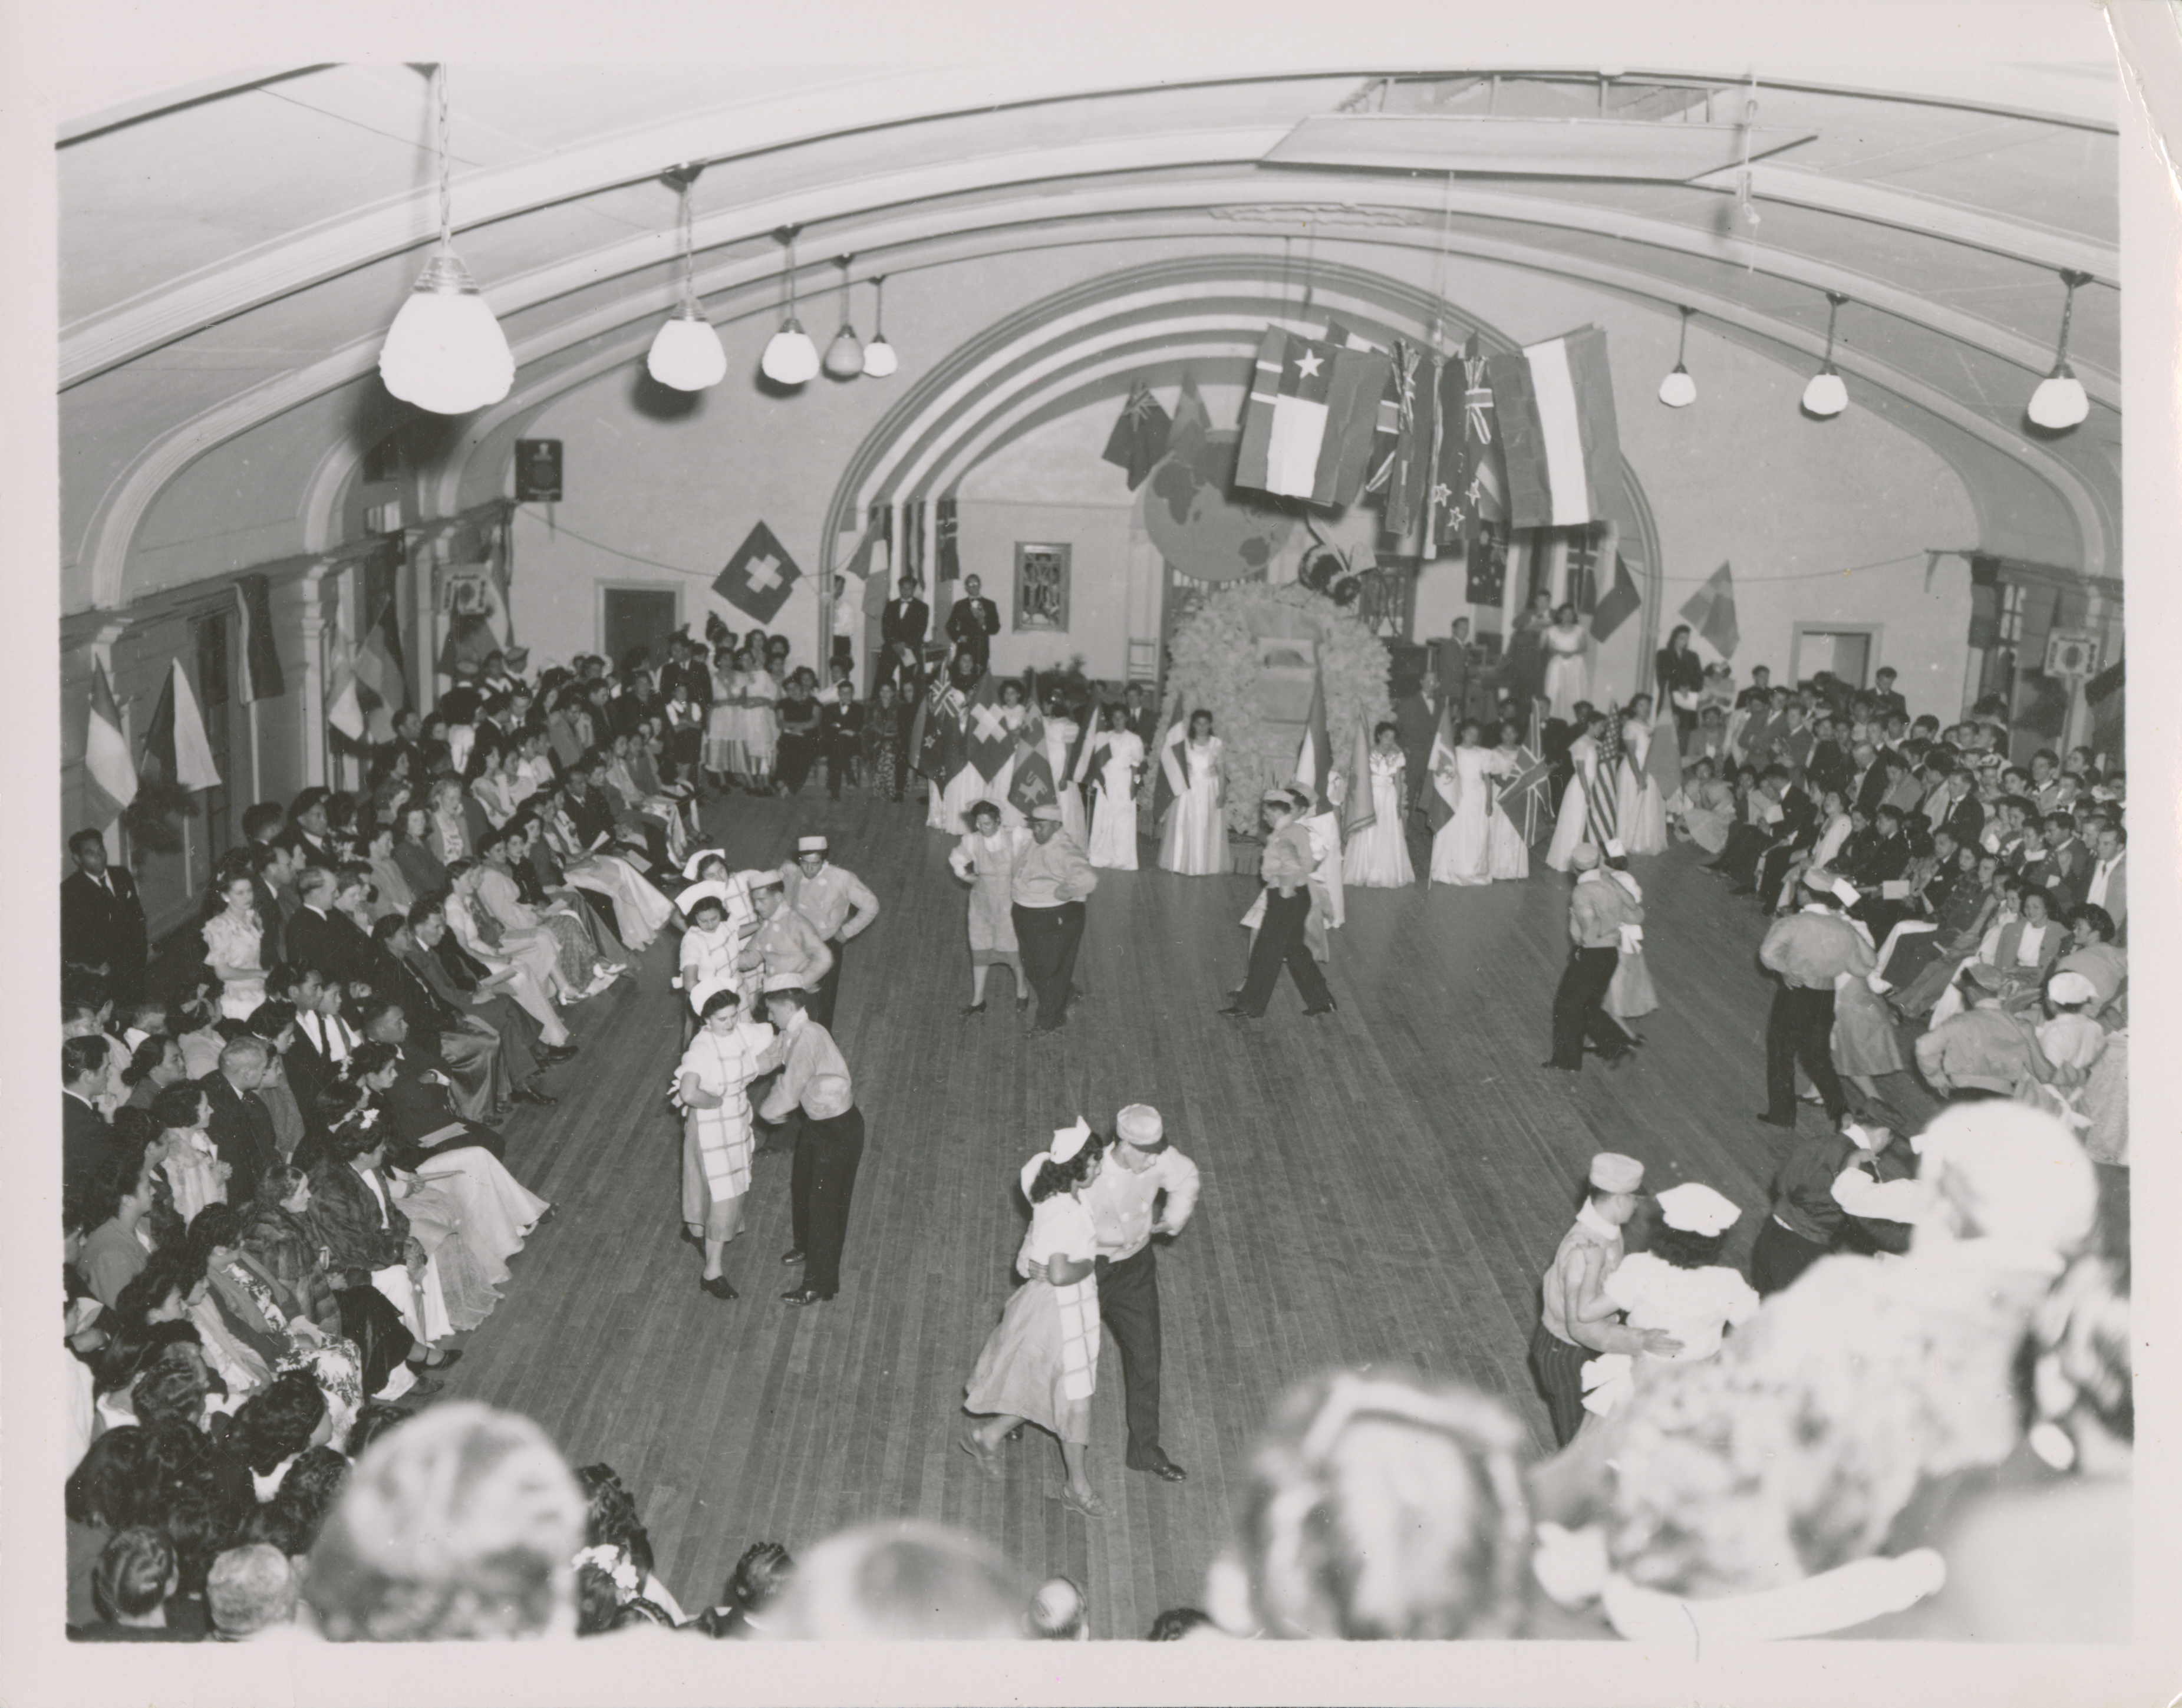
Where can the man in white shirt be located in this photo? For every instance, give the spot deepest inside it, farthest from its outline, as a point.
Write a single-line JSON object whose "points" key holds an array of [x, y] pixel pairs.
{"points": [[1122, 1201], [839, 904], [2108, 885]]}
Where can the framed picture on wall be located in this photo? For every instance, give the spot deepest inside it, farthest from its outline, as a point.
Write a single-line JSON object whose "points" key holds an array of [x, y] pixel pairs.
{"points": [[1041, 587]]}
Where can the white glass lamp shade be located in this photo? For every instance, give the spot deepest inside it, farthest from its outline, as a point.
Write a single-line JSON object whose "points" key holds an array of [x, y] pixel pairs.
{"points": [[687, 354], [2059, 401], [444, 351], [880, 359], [1678, 390], [845, 355], [791, 358], [1825, 395]]}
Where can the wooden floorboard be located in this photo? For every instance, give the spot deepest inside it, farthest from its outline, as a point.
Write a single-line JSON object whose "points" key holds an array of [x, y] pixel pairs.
{"points": [[1382, 1185]]}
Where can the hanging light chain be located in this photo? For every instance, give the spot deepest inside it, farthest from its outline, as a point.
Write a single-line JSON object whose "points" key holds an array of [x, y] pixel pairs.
{"points": [[446, 162], [1834, 300], [878, 308], [2072, 279], [688, 252], [1682, 348]]}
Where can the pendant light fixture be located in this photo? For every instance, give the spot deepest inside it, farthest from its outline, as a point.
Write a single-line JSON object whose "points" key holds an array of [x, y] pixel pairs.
{"points": [[445, 352], [687, 354], [880, 359], [1825, 396], [791, 358], [1678, 390], [2059, 403], [845, 355]]}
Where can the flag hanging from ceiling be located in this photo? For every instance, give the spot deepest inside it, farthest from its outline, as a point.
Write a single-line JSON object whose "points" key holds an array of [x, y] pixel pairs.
{"points": [[109, 780], [261, 655], [382, 685], [1359, 808], [1314, 753], [1619, 605], [175, 750], [1470, 458], [989, 738], [1032, 785], [1446, 785], [1139, 438], [1339, 331], [1192, 421], [1711, 612], [1554, 407], [759, 576], [1308, 421]]}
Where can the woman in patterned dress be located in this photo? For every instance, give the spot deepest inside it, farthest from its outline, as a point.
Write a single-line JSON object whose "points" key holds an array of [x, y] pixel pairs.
{"points": [[1041, 1363], [712, 1085], [883, 728]]}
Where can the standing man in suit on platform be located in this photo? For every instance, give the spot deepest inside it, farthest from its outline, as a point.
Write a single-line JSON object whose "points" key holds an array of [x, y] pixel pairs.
{"points": [[902, 625], [972, 623], [101, 920]]}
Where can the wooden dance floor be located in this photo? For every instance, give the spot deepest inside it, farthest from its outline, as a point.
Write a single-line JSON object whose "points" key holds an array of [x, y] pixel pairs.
{"points": [[1382, 1186]]}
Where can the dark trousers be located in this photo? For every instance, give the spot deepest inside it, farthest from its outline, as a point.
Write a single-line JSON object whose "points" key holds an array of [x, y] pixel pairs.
{"points": [[1777, 1256], [797, 753], [843, 749], [1280, 944], [822, 995], [1739, 859], [1128, 1305], [1577, 1010], [820, 1183], [1800, 1030], [1048, 938], [1559, 1367]]}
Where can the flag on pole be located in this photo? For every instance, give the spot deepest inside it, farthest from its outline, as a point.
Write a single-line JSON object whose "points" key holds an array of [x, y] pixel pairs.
{"points": [[1530, 785], [1314, 753], [1139, 438], [1601, 785], [261, 656], [1663, 758], [1711, 612], [1308, 421], [935, 738], [1173, 778], [383, 687], [1032, 785], [1360, 810], [1554, 407], [758, 578], [1446, 788], [946, 542], [1076, 763], [175, 750], [109, 780], [990, 740], [1619, 605]]}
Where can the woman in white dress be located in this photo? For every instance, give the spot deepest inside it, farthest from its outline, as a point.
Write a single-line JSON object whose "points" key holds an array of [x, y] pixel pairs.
{"points": [[641, 910], [1710, 812], [235, 950], [1379, 858], [1117, 757], [1195, 840], [1568, 675], [1677, 1285], [1014, 715], [1040, 1364], [1574, 827], [722, 724], [1642, 811], [1060, 733], [1632, 994], [1508, 851], [1461, 849], [712, 1085], [761, 723], [985, 859]]}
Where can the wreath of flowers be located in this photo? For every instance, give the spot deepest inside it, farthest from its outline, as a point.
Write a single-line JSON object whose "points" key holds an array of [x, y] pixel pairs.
{"points": [[1213, 664], [615, 1563]]}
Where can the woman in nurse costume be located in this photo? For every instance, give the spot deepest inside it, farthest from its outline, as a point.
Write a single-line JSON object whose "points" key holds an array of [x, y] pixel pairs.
{"points": [[711, 1086]]}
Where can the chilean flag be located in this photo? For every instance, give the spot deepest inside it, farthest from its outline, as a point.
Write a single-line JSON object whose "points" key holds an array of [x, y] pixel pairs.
{"points": [[1554, 405], [1309, 420]]}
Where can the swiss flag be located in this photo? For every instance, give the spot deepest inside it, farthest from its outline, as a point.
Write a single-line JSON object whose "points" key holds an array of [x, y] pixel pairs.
{"points": [[991, 743], [1032, 783], [758, 577]]}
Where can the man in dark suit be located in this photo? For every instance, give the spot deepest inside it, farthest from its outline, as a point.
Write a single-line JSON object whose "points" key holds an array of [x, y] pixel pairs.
{"points": [[467, 988], [88, 1144], [972, 623], [1144, 716], [902, 624], [2066, 871], [101, 920], [1799, 830], [1830, 766], [1867, 780], [242, 1126], [1759, 694], [312, 938], [272, 867], [1890, 704], [420, 1103], [1965, 814], [468, 1040]]}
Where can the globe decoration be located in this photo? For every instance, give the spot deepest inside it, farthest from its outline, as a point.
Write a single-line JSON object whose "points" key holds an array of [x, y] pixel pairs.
{"points": [[1200, 527]]}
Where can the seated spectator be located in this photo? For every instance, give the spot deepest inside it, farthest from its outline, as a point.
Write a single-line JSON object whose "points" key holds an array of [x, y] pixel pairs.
{"points": [[900, 1582], [281, 1244], [764, 1570], [1175, 1624], [1380, 1507], [612, 1530], [1059, 1612], [119, 1242], [136, 1575], [273, 1426], [1982, 1050], [249, 1589], [291, 1520], [458, 1526], [2092, 952]]}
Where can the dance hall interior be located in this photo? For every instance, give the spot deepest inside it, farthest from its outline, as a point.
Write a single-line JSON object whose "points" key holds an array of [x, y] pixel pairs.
{"points": [[1319, 836]]}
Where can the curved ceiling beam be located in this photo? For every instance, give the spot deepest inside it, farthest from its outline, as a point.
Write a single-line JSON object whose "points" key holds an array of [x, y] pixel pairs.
{"points": [[114, 335], [112, 527]]}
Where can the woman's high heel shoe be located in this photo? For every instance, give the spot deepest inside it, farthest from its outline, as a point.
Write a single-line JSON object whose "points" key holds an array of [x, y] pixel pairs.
{"points": [[1091, 1507]]}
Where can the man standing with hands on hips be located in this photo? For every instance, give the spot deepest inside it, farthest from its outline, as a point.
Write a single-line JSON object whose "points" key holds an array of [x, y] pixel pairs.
{"points": [[1050, 880], [839, 905], [1140, 1168]]}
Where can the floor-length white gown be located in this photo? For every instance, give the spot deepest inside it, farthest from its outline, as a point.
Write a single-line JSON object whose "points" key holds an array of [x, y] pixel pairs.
{"points": [[1114, 820], [1195, 840], [1379, 856], [1461, 849]]}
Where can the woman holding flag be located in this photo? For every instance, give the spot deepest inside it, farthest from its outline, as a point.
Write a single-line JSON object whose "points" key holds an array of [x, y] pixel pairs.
{"points": [[1116, 756], [1641, 809], [1195, 840], [1507, 849], [1064, 742], [1378, 855], [1461, 777], [1588, 803]]}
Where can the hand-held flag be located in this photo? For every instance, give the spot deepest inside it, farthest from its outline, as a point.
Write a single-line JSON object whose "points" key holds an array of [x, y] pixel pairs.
{"points": [[1032, 785], [1173, 779], [1359, 811], [1446, 787], [109, 780], [1314, 753], [991, 739]]}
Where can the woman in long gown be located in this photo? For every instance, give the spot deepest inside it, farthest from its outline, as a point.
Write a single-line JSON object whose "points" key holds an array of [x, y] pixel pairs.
{"points": [[985, 859], [760, 723], [234, 941], [1461, 849], [712, 1085], [1642, 810], [950, 803], [1508, 850], [641, 909], [882, 741], [1117, 752], [1060, 733], [1574, 827], [1040, 1365], [1568, 674], [1195, 840], [1379, 857]]}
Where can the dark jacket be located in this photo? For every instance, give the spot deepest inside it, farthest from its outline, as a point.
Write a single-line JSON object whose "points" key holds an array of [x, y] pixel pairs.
{"points": [[903, 622], [242, 1131], [88, 1145], [102, 928], [348, 1224]]}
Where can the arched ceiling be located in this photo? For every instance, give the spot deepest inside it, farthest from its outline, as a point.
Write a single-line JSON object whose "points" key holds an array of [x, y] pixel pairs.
{"points": [[234, 253]]}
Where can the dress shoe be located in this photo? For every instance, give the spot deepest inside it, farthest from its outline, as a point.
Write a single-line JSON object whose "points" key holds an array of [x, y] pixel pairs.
{"points": [[423, 1387], [1234, 996], [1313, 1013], [531, 1094], [1160, 1466], [804, 1296], [973, 1009], [440, 1360], [1090, 1506], [554, 1054], [500, 1112], [1788, 1125], [1238, 1013], [794, 1257], [718, 1286], [1617, 1061], [988, 1462]]}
